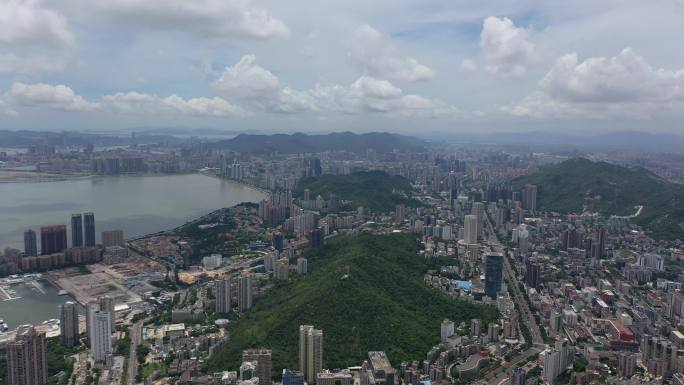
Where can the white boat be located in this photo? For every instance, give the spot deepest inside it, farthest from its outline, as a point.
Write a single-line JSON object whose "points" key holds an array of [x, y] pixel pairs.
{"points": [[62, 292]]}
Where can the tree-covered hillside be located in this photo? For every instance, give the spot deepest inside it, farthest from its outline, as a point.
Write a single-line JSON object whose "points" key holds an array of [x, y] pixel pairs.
{"points": [[375, 190], [579, 184], [365, 293]]}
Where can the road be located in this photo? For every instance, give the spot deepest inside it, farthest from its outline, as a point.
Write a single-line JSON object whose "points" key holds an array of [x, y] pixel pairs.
{"points": [[512, 282], [136, 339], [493, 376]]}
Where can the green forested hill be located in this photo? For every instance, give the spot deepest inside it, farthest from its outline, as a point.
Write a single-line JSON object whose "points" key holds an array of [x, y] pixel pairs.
{"points": [[365, 293], [578, 184], [370, 189]]}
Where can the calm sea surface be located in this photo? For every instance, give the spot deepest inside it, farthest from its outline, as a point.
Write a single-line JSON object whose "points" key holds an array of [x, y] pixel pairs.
{"points": [[136, 204]]}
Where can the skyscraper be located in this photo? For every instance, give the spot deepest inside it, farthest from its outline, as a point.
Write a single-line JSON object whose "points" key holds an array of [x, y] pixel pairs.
{"points": [[470, 229], [493, 274], [91, 308], [68, 324], [53, 239], [222, 289], [399, 213], [479, 211], [475, 327], [532, 274], [245, 293], [89, 229], [278, 241], [107, 305], [263, 359], [310, 352], [76, 230], [30, 243], [529, 197], [303, 333], [27, 357], [314, 355], [101, 338]]}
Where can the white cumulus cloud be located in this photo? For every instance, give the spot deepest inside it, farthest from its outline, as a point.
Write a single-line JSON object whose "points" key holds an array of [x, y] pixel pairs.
{"points": [[263, 90], [506, 48], [376, 55], [600, 87], [626, 77], [57, 97], [142, 103], [26, 22]]}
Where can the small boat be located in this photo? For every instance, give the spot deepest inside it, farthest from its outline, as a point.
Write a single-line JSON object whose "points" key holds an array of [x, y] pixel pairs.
{"points": [[62, 292]]}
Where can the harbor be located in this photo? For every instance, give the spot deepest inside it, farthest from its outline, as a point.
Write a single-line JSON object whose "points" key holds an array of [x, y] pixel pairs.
{"points": [[29, 298]]}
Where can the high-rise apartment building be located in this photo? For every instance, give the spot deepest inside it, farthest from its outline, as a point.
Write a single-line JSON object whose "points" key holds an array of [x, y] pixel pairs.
{"points": [[53, 239], [68, 324], [89, 229], [478, 210], [529, 197], [447, 329], [91, 308], [245, 293], [27, 357], [399, 213], [470, 229], [519, 376], [30, 243], [475, 327], [314, 351], [76, 230], [659, 355], [532, 274], [310, 352], [222, 293], [113, 238], [107, 305], [101, 338]]}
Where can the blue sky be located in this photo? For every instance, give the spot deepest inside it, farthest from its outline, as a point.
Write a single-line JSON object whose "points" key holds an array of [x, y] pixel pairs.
{"points": [[400, 65]]}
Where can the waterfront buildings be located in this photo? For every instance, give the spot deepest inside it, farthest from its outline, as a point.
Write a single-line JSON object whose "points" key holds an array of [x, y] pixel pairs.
{"points": [[53, 239], [76, 230], [89, 228], [30, 243]]}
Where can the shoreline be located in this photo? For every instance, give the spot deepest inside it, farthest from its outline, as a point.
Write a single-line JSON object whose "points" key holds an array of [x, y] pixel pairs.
{"points": [[260, 192], [260, 189], [52, 177]]}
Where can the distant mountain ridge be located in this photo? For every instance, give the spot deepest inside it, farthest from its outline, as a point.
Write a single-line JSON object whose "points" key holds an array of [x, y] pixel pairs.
{"points": [[578, 184], [337, 141]]}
